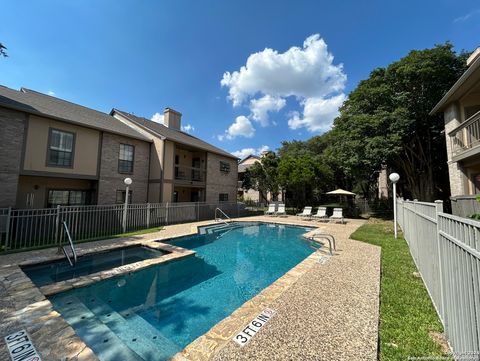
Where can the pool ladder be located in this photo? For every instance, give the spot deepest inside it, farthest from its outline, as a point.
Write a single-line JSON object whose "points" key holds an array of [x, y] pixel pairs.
{"points": [[331, 240], [72, 248], [219, 219]]}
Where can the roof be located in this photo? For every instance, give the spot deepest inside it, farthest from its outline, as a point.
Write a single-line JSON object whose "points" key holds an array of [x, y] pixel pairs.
{"points": [[174, 135], [463, 84], [243, 167], [37, 103]]}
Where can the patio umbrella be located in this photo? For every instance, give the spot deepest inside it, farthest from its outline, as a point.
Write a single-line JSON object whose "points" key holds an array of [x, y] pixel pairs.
{"points": [[341, 193]]}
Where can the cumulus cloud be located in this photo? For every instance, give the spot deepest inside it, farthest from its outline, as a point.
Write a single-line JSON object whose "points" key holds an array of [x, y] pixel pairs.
{"points": [[261, 107], [241, 127], [188, 128], [245, 152], [157, 117], [306, 73], [318, 113]]}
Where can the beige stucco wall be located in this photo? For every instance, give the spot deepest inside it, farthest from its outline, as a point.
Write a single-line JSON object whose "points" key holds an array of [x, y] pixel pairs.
{"points": [[220, 182], [39, 187], [167, 192], [458, 179], [85, 148], [169, 159]]}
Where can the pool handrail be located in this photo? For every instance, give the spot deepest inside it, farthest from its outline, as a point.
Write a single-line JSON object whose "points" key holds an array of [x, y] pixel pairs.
{"points": [[328, 237], [217, 219], [74, 253]]}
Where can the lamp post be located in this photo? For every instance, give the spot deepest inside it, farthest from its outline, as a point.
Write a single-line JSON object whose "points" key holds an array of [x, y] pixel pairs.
{"points": [[394, 177], [128, 182]]}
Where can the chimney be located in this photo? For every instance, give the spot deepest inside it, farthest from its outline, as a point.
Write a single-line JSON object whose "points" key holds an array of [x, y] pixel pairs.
{"points": [[172, 118], [474, 56]]}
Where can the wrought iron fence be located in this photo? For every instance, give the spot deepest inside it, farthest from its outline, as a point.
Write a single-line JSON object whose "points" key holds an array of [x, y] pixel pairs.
{"points": [[22, 229], [446, 250]]}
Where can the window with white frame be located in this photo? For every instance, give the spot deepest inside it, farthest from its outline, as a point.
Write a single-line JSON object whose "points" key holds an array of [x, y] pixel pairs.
{"points": [[60, 148]]}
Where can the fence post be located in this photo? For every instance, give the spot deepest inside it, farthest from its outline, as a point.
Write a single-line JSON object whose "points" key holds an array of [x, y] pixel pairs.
{"points": [[438, 210], [148, 215], [166, 214], [7, 230], [57, 229]]}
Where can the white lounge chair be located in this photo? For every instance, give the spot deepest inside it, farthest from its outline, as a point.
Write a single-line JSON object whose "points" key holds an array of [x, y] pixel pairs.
{"points": [[271, 210], [337, 215], [281, 210], [321, 213], [307, 213]]}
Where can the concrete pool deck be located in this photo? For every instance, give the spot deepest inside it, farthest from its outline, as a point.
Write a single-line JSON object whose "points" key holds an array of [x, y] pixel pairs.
{"points": [[325, 310]]}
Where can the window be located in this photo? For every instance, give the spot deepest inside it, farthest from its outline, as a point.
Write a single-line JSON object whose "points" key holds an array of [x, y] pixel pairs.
{"points": [[65, 197], [120, 197], [60, 148], [224, 167], [125, 158], [223, 197]]}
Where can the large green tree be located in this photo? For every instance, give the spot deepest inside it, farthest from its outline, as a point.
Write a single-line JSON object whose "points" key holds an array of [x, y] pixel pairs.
{"points": [[262, 176], [386, 121]]}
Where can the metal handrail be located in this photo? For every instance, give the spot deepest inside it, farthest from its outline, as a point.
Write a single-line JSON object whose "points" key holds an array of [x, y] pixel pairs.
{"points": [[74, 253], [328, 237], [221, 219]]}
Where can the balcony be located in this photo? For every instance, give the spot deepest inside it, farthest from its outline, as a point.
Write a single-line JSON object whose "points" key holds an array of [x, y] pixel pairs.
{"points": [[466, 138], [189, 174]]}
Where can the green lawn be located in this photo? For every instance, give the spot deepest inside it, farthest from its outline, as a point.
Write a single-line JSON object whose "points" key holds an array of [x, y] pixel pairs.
{"points": [[407, 316]]}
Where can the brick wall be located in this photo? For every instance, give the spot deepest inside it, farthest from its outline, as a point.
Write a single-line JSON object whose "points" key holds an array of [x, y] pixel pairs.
{"points": [[111, 180], [12, 125], [221, 182]]}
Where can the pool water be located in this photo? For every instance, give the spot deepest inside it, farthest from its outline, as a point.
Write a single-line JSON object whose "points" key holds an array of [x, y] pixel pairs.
{"points": [[155, 312], [51, 272]]}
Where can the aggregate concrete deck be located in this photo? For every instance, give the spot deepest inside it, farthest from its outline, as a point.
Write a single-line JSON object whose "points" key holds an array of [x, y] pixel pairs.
{"points": [[324, 311]]}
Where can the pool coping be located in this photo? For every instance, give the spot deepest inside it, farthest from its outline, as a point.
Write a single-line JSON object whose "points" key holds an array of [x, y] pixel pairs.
{"points": [[27, 306]]}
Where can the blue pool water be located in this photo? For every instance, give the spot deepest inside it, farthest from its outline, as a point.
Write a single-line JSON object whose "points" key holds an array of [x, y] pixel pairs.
{"points": [[155, 312], [47, 273]]}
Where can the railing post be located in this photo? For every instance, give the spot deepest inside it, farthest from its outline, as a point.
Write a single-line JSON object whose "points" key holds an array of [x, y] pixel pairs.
{"points": [[7, 230], [57, 228], [166, 214], [148, 215], [198, 211], [438, 210]]}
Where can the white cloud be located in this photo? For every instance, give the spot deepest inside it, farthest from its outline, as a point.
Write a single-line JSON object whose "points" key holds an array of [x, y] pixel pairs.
{"points": [[465, 17], [261, 107], [157, 117], [318, 113], [306, 73], [242, 127], [51, 92], [245, 152], [188, 128]]}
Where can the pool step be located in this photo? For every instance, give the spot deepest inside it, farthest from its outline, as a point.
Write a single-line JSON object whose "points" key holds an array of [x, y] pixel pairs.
{"points": [[99, 337], [101, 327]]}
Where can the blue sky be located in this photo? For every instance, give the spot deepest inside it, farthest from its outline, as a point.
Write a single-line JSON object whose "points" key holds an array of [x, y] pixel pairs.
{"points": [[143, 56]]}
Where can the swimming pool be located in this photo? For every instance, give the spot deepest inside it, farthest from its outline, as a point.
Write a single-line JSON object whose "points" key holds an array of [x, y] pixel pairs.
{"points": [[56, 271], [155, 312]]}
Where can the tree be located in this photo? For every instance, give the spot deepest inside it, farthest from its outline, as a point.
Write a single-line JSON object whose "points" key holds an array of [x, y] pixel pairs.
{"points": [[3, 51], [304, 177], [386, 121], [262, 176]]}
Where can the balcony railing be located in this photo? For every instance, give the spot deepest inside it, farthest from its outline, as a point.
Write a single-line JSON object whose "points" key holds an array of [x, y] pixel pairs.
{"points": [[466, 136], [190, 174]]}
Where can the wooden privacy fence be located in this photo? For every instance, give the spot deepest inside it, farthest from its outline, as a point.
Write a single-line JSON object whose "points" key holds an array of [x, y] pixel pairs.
{"points": [[446, 250], [22, 229]]}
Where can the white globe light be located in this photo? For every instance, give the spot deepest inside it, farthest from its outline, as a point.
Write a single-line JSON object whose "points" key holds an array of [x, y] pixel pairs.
{"points": [[394, 177], [127, 181]]}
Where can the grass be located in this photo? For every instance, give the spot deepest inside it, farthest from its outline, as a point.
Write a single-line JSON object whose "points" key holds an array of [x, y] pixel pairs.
{"points": [[408, 319]]}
